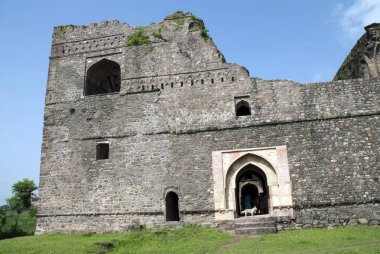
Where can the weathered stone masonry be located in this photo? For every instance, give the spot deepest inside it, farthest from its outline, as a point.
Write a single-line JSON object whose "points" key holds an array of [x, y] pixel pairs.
{"points": [[176, 106]]}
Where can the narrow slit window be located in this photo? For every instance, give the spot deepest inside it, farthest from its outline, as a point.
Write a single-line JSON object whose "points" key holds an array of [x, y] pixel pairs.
{"points": [[102, 151]]}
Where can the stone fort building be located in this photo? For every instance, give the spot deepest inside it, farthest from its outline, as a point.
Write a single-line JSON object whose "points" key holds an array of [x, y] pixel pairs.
{"points": [[150, 126]]}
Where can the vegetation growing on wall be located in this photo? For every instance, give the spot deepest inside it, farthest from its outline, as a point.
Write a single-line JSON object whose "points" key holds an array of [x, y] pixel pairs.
{"points": [[311, 127], [177, 15], [140, 37], [195, 24], [198, 24], [72, 110], [158, 34]]}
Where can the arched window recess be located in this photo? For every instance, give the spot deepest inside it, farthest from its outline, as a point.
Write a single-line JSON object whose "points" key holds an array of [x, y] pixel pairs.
{"points": [[242, 108], [103, 77]]}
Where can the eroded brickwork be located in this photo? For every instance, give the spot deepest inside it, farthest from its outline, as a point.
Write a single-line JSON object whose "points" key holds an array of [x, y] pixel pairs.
{"points": [[176, 105]]}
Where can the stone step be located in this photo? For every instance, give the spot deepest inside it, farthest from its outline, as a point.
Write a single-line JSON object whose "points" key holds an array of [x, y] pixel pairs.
{"points": [[255, 230], [255, 218], [252, 224]]}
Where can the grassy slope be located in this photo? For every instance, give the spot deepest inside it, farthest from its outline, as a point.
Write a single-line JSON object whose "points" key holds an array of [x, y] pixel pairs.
{"points": [[193, 239], [339, 240], [190, 239]]}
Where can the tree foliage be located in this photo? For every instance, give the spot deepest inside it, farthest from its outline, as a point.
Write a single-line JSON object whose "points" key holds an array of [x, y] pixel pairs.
{"points": [[22, 198], [2, 218], [24, 191]]}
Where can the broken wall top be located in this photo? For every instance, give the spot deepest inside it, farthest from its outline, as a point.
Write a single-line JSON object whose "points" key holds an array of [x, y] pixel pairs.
{"points": [[364, 59]]}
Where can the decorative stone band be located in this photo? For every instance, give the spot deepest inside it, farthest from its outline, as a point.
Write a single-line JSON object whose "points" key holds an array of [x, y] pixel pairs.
{"points": [[76, 47], [165, 82]]}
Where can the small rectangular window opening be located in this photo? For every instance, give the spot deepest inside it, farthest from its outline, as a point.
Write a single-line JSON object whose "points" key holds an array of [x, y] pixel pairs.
{"points": [[202, 82], [222, 79], [181, 84], [162, 86], [212, 81], [102, 151]]}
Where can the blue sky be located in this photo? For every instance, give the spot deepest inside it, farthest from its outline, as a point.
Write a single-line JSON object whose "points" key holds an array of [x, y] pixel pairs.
{"points": [[305, 41]]}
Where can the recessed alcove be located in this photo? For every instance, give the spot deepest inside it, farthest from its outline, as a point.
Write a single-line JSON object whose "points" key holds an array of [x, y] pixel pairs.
{"points": [[103, 77], [242, 108]]}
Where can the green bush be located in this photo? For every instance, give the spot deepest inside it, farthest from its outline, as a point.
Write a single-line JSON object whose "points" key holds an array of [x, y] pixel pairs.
{"points": [[176, 15], [138, 38], [200, 26]]}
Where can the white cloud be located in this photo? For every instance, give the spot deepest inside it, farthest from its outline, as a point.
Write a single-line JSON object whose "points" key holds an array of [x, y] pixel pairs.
{"points": [[362, 13]]}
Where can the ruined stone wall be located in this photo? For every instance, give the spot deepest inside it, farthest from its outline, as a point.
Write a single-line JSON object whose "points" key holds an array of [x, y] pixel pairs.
{"points": [[177, 105], [364, 59]]}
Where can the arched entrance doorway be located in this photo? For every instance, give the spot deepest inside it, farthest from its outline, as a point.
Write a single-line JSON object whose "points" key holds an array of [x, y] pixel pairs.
{"points": [[251, 190], [171, 205]]}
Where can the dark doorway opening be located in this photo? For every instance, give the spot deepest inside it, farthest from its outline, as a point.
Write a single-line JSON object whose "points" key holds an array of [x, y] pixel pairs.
{"points": [[249, 194], [251, 190], [172, 209], [243, 109], [103, 77], [102, 151]]}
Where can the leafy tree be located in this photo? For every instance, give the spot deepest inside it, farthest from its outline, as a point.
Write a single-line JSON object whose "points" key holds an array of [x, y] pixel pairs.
{"points": [[24, 189], [2, 218], [22, 197]]}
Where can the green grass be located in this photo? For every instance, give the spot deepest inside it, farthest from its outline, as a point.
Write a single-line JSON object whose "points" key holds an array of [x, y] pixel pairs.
{"points": [[193, 239], [190, 239], [339, 240]]}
